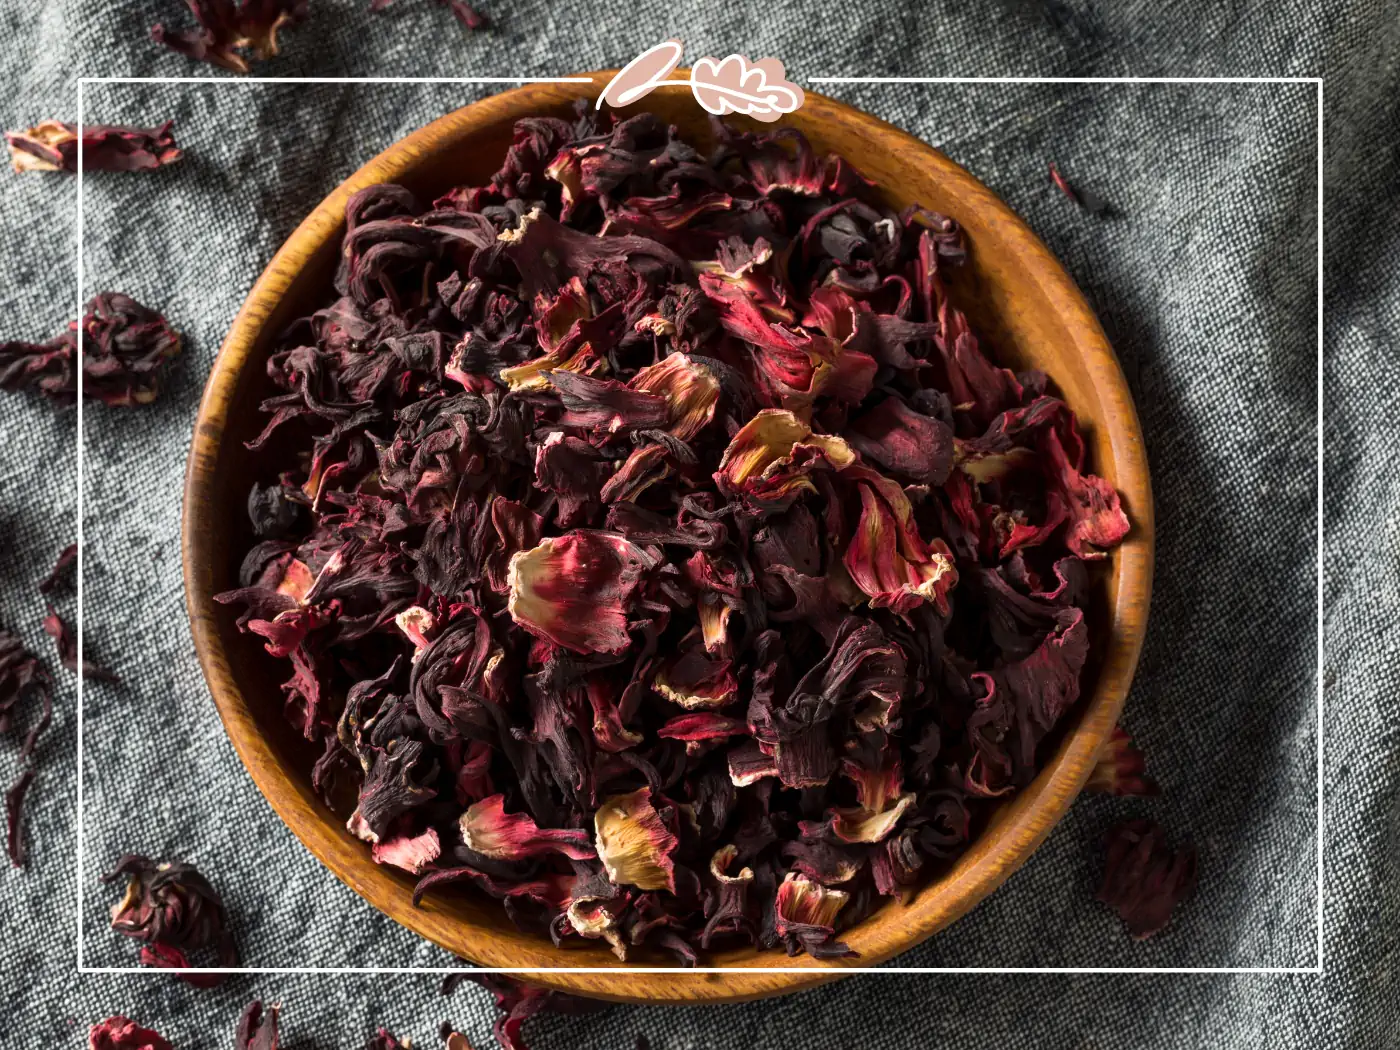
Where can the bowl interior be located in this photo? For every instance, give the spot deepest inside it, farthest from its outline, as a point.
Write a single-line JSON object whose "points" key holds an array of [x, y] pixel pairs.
{"points": [[1026, 311]]}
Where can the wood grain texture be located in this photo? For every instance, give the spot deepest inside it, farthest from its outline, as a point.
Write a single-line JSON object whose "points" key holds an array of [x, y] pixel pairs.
{"points": [[1029, 314]]}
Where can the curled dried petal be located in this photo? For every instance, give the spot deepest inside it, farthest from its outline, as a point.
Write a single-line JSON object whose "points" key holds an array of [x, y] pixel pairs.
{"points": [[769, 459], [119, 1033], [690, 388], [1144, 879], [575, 590], [806, 915], [633, 843], [1121, 769], [53, 146], [412, 853], [489, 830], [889, 561]]}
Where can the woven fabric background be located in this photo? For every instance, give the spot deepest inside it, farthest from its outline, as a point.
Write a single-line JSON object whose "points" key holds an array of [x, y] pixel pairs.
{"points": [[1207, 285]]}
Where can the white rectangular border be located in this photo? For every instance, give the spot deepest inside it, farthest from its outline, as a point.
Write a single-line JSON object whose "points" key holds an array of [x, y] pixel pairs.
{"points": [[835, 970]]}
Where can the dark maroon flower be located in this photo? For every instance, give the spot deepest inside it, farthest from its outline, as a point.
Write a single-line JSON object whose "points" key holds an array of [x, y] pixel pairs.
{"points": [[67, 558], [22, 679], [1121, 769], [173, 910], [256, 1030], [904, 442], [14, 811], [124, 346], [119, 1033], [517, 1002], [57, 629], [229, 27], [53, 146], [1144, 879]]}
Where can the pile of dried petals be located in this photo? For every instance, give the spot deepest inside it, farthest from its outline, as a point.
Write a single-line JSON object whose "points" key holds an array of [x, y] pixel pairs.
{"points": [[666, 559]]}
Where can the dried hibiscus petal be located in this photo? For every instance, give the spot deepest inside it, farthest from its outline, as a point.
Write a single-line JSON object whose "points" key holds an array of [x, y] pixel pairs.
{"points": [[575, 590], [53, 146], [769, 460], [690, 388], [487, 829], [634, 843], [173, 909], [1121, 769], [257, 1030], [229, 27], [124, 346], [120, 1033], [57, 629], [806, 916], [517, 1002], [1144, 879], [889, 561]]}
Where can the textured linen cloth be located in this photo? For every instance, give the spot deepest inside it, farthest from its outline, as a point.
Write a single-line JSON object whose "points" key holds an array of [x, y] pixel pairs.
{"points": [[1206, 282]]}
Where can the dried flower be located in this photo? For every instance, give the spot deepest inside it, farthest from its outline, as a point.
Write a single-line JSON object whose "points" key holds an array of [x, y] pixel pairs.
{"points": [[517, 1002], [1144, 879], [67, 558], [57, 629], [228, 27], [173, 910], [386, 1040], [1090, 202], [257, 1030], [119, 1033], [124, 346], [806, 916], [412, 853], [889, 561], [1121, 769], [53, 146], [769, 461], [691, 391], [14, 810], [574, 590], [22, 679]]}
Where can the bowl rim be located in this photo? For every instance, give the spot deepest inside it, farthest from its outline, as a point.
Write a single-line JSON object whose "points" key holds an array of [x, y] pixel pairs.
{"points": [[1035, 809]]}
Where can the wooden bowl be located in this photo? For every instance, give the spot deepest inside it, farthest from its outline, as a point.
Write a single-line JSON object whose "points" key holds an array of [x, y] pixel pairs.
{"points": [[1027, 311]]}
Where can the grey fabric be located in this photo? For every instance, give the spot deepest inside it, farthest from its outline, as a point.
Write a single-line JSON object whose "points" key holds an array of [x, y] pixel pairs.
{"points": [[1206, 286]]}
